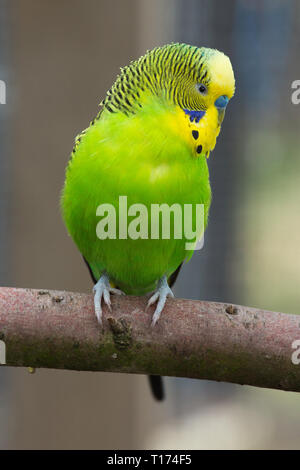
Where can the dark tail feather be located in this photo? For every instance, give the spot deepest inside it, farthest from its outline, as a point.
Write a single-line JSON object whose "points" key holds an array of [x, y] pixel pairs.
{"points": [[90, 271], [173, 277], [157, 387], [156, 381]]}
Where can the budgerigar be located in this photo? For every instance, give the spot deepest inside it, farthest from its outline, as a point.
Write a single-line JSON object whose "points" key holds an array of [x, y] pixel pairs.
{"points": [[149, 142]]}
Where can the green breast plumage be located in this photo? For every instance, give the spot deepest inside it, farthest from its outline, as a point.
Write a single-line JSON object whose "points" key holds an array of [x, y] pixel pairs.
{"points": [[146, 157]]}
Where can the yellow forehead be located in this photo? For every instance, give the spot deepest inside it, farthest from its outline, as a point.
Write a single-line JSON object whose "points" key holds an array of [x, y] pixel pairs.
{"points": [[221, 73]]}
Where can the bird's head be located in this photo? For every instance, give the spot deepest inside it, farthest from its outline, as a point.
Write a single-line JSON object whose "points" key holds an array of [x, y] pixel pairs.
{"points": [[195, 79], [198, 79]]}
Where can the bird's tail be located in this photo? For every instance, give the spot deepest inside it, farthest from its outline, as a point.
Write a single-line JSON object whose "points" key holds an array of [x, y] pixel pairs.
{"points": [[156, 381], [157, 387]]}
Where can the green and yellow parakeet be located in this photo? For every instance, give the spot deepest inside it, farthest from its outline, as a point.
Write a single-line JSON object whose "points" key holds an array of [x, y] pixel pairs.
{"points": [[150, 142]]}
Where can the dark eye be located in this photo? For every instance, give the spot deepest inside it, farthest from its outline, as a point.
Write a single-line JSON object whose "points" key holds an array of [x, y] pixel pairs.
{"points": [[202, 88]]}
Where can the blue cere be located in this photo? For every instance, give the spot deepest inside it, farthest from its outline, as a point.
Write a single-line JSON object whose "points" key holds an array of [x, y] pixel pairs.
{"points": [[194, 115], [221, 102]]}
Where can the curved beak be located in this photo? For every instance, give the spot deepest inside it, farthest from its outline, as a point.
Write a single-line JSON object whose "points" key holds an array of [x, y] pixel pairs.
{"points": [[221, 104]]}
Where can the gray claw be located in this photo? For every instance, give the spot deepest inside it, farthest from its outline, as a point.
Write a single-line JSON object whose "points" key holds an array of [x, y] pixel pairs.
{"points": [[160, 295], [103, 290]]}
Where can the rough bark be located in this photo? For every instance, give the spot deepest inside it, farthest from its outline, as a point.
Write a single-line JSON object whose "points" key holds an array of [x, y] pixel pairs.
{"points": [[197, 339]]}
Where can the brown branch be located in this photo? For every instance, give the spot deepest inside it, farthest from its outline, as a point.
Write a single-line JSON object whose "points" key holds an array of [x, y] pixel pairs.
{"points": [[204, 340]]}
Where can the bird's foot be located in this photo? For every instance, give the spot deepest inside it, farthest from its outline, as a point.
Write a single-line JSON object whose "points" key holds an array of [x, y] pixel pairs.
{"points": [[103, 290], [160, 295]]}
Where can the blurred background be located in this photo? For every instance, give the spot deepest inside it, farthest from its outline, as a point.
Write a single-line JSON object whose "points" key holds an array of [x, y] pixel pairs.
{"points": [[57, 60]]}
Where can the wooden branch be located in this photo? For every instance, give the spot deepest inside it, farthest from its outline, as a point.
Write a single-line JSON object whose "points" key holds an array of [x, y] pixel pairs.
{"points": [[197, 339]]}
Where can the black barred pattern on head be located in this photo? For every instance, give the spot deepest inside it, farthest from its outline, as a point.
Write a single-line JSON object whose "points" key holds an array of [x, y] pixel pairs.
{"points": [[163, 71]]}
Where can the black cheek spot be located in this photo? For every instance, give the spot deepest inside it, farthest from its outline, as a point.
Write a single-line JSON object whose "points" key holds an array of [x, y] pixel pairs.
{"points": [[199, 149], [195, 134]]}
